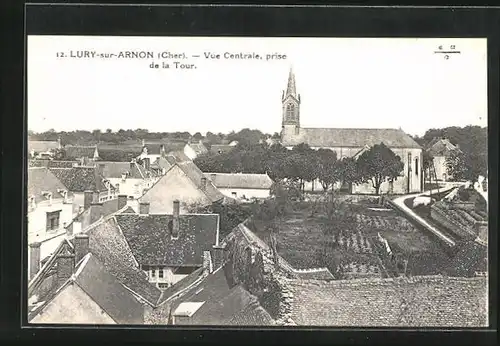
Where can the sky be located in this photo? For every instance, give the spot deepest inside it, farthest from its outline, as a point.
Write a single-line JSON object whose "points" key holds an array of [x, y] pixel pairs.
{"points": [[343, 82]]}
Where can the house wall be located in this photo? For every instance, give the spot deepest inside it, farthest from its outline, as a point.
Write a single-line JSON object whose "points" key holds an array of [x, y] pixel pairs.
{"points": [[441, 170], [189, 152], [248, 193], [174, 185], [168, 278], [73, 305], [37, 219], [132, 187]]}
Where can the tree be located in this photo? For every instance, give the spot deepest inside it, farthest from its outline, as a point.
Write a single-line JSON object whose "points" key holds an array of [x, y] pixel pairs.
{"points": [[379, 164], [197, 136], [466, 166], [328, 168], [348, 171]]}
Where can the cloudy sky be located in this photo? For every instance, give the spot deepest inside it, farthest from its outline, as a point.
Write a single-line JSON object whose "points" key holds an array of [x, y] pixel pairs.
{"points": [[343, 82]]}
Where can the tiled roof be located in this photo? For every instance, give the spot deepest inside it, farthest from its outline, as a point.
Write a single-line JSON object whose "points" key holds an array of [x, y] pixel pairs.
{"points": [[77, 152], [344, 137], [471, 257], [95, 212], [314, 274], [224, 303], [240, 180], [221, 148], [441, 147], [177, 156], [116, 169], [426, 301], [198, 148], [79, 179], [162, 163], [109, 294], [195, 174], [181, 286], [150, 238], [108, 244], [129, 210], [42, 146], [40, 180]]}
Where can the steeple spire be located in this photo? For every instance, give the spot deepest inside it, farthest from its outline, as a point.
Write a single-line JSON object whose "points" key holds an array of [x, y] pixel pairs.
{"points": [[290, 89]]}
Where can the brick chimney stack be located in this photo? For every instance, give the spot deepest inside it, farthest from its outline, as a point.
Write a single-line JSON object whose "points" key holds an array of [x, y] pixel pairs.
{"points": [[65, 267], [81, 246], [87, 199], [144, 208], [175, 219], [34, 259], [147, 163]]}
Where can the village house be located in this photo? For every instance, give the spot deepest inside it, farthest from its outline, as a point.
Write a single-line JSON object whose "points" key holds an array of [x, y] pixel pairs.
{"points": [[242, 186], [91, 212], [129, 178], [84, 283], [152, 151], [169, 246], [113, 247], [43, 149], [50, 163], [352, 142], [162, 165], [184, 181], [440, 149], [79, 179], [79, 153], [193, 150], [49, 205]]}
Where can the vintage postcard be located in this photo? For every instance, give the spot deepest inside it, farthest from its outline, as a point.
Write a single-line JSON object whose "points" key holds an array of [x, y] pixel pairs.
{"points": [[231, 181]]}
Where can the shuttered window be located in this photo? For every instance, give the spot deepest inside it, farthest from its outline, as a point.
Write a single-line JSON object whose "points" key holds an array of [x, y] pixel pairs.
{"points": [[53, 219]]}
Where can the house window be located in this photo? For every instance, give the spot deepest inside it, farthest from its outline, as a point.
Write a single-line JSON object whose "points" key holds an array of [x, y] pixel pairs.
{"points": [[53, 219], [153, 272], [160, 273], [163, 285], [233, 194], [416, 166]]}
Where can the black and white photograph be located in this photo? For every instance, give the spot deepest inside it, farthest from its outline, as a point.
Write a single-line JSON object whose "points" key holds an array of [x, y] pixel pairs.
{"points": [[257, 181]]}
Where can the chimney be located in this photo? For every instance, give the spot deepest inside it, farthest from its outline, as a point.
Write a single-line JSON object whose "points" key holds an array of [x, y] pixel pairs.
{"points": [[144, 208], [162, 150], [175, 219], [77, 227], [87, 199], [65, 267], [207, 262], [81, 246], [203, 183], [122, 201], [218, 256], [146, 163], [95, 197], [98, 207], [34, 259], [59, 143]]}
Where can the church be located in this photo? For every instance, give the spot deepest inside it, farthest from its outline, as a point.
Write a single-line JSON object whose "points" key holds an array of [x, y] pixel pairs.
{"points": [[351, 142]]}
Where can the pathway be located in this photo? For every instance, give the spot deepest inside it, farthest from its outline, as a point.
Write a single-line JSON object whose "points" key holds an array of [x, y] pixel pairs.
{"points": [[399, 203]]}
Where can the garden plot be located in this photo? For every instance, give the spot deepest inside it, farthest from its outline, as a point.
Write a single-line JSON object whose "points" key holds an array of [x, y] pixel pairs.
{"points": [[357, 270], [355, 242]]}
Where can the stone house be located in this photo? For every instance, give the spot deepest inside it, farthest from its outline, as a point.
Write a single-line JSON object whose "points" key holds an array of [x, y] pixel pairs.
{"points": [[184, 181], [129, 178], [193, 150], [242, 186], [440, 149], [168, 247]]}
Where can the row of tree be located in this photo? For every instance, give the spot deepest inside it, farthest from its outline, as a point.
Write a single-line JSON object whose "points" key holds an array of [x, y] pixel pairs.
{"points": [[246, 136], [303, 164]]}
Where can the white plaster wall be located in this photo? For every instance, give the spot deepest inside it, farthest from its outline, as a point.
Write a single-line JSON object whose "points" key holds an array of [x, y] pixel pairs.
{"points": [[249, 193]]}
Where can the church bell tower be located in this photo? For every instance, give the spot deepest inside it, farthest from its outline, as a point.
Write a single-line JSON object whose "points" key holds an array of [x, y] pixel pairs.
{"points": [[290, 123]]}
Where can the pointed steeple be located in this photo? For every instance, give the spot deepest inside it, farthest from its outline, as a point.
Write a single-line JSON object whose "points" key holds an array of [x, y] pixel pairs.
{"points": [[291, 89]]}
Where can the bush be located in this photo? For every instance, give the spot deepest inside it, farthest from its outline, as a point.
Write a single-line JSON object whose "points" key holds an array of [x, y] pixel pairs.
{"points": [[464, 194]]}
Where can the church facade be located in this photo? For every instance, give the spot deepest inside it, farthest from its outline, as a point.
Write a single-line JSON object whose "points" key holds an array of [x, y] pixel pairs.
{"points": [[351, 142]]}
